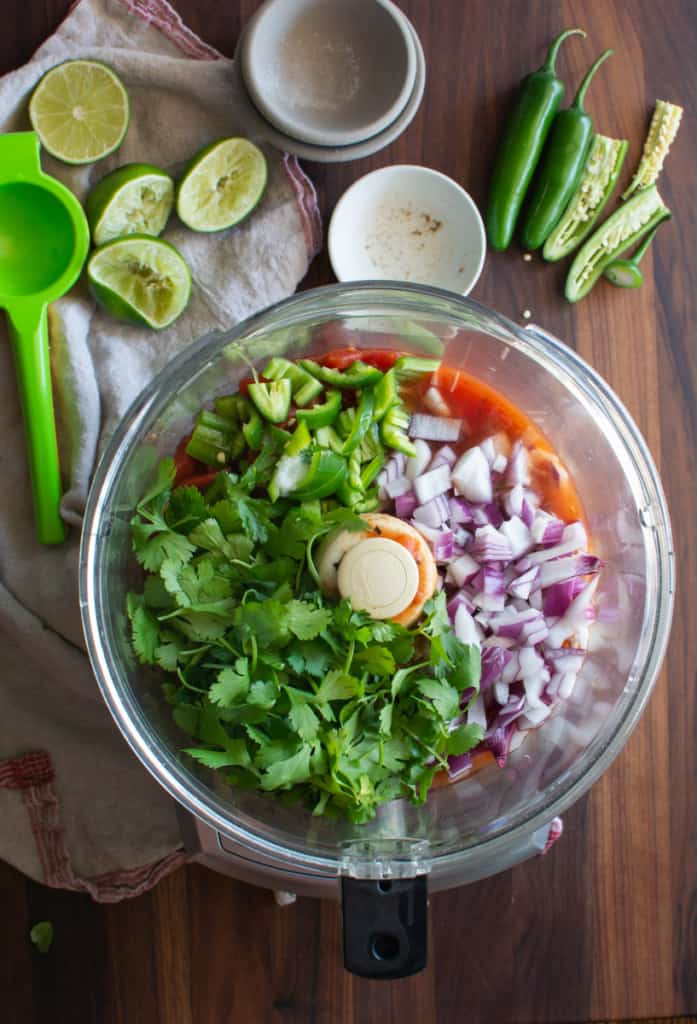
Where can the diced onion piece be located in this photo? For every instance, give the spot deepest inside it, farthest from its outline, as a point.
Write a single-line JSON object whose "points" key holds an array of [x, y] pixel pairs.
{"points": [[445, 456], [417, 464], [567, 567], [405, 505], [518, 535], [434, 513], [395, 488], [471, 477], [476, 715], [434, 428], [463, 569], [466, 628], [435, 403], [489, 545], [501, 692], [430, 485]]}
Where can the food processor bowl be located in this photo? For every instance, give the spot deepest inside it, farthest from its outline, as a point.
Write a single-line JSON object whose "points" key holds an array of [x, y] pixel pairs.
{"points": [[481, 824]]}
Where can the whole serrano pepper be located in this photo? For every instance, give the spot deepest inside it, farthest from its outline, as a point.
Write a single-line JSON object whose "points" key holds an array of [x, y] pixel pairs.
{"points": [[529, 122]]}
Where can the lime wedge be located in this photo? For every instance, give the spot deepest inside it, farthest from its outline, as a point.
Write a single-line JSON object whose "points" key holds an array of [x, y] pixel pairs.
{"points": [[135, 199], [80, 111], [140, 279], [222, 185]]}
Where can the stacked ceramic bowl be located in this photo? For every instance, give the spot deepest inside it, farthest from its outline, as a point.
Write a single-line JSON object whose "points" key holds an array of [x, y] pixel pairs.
{"points": [[330, 80]]}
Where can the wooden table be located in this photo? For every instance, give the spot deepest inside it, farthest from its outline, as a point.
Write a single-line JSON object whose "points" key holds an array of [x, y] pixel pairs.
{"points": [[605, 927]]}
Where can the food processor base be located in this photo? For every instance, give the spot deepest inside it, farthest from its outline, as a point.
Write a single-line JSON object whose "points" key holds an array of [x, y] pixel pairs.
{"points": [[219, 852]]}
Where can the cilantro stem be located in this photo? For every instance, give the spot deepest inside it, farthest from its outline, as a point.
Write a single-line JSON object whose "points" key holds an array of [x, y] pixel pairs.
{"points": [[434, 753], [349, 656], [310, 561], [255, 651], [189, 686]]}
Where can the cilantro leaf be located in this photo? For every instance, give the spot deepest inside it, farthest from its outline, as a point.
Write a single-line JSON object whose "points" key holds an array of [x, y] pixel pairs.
{"points": [[307, 621], [41, 935], [145, 629], [232, 684], [337, 685], [263, 693], [376, 660], [236, 755], [166, 472], [286, 773], [304, 721], [464, 738], [445, 697], [265, 622], [185, 509], [153, 544]]}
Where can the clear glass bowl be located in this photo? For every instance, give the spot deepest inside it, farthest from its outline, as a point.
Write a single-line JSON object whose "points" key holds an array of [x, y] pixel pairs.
{"points": [[470, 828]]}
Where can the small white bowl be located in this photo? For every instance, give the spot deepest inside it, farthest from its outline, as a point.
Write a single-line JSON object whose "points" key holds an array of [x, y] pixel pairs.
{"points": [[257, 127], [329, 72], [408, 223]]}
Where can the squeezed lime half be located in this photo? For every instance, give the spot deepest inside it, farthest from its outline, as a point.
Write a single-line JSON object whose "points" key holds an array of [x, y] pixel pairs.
{"points": [[141, 280], [135, 199], [222, 185]]}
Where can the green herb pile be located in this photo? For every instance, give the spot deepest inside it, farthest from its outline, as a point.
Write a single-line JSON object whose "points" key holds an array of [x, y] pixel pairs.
{"points": [[282, 688]]}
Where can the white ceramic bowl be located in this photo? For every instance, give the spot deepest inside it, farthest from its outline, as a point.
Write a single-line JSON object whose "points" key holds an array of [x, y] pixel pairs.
{"points": [[258, 128], [408, 223], [329, 72]]}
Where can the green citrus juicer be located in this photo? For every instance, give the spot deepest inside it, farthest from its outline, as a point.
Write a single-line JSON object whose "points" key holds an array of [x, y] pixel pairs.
{"points": [[44, 240]]}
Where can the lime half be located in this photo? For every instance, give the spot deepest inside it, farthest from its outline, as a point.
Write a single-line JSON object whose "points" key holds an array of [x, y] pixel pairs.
{"points": [[135, 199], [140, 279], [80, 111], [222, 185]]}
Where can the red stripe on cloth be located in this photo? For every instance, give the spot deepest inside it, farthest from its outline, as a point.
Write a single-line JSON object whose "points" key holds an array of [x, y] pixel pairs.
{"points": [[28, 770], [33, 774], [165, 18], [307, 204]]}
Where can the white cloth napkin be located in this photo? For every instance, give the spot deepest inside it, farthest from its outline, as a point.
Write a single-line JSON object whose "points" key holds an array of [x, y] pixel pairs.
{"points": [[81, 812]]}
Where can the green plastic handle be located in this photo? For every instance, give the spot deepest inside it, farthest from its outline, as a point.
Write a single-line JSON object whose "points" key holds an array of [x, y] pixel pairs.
{"points": [[29, 335]]}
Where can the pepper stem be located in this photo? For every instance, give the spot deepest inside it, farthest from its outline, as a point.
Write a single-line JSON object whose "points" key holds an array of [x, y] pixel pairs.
{"points": [[583, 87], [551, 58], [641, 251]]}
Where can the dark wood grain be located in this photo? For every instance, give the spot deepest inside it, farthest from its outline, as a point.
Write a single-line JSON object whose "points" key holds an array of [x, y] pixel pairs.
{"points": [[605, 927]]}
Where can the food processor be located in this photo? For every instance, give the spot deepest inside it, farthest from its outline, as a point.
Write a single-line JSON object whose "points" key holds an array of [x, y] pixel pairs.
{"points": [[484, 823]]}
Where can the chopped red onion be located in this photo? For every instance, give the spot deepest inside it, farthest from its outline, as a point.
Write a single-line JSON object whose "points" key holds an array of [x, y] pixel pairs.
{"points": [[566, 686], [432, 483], [567, 567], [565, 659], [471, 477], [489, 545], [417, 464], [466, 629], [435, 403], [460, 599], [493, 514], [517, 471], [397, 487], [461, 511], [434, 513], [501, 692], [499, 741], [463, 569], [434, 428], [445, 456], [521, 586], [518, 535], [405, 505], [499, 464], [553, 531], [442, 547], [488, 584], [488, 450], [579, 612], [476, 715], [534, 716], [458, 763], [494, 660], [559, 596]]}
